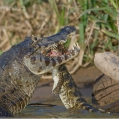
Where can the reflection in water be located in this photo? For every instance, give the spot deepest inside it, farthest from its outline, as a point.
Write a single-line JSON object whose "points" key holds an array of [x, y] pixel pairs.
{"points": [[58, 111], [50, 110]]}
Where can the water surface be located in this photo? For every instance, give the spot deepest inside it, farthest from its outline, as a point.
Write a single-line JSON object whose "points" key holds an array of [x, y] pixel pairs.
{"points": [[54, 108]]}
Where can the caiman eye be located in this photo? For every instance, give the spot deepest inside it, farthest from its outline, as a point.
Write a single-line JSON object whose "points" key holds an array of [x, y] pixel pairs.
{"points": [[35, 38]]}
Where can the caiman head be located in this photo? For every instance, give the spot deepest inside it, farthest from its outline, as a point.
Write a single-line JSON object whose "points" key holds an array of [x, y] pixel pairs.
{"points": [[50, 52]]}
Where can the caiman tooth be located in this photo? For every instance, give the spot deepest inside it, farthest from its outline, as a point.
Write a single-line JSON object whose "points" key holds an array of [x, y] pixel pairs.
{"points": [[77, 45], [62, 42], [63, 57], [54, 45], [69, 56], [74, 45]]}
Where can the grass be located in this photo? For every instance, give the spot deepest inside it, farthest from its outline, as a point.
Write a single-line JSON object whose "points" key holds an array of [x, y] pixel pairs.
{"points": [[97, 23], [103, 16]]}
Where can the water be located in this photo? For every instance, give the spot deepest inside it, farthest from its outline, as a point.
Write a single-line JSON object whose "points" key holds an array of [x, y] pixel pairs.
{"points": [[54, 108]]}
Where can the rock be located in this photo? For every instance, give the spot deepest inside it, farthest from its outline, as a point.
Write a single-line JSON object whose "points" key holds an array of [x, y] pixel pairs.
{"points": [[106, 93], [108, 63], [106, 87]]}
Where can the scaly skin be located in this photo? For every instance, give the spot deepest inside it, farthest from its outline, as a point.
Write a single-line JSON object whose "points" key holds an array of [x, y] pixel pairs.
{"points": [[68, 91], [22, 66]]}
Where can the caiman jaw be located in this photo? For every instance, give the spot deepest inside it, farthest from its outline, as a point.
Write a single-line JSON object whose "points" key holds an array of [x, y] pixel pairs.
{"points": [[54, 54], [60, 51], [59, 58], [39, 64]]}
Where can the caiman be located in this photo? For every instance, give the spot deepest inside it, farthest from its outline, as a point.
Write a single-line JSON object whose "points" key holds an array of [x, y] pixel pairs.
{"points": [[23, 64], [70, 95]]}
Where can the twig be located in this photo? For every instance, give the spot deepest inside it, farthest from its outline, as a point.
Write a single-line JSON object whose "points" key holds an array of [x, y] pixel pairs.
{"points": [[5, 40], [91, 32], [24, 9], [6, 11]]}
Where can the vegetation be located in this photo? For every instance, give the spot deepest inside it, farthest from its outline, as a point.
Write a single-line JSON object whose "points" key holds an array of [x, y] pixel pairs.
{"points": [[96, 21]]}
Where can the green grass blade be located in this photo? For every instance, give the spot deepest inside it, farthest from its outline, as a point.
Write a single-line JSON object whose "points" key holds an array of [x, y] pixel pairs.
{"points": [[81, 27], [93, 9]]}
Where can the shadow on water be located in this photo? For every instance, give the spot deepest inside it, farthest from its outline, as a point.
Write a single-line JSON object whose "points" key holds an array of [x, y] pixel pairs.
{"points": [[49, 110]]}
